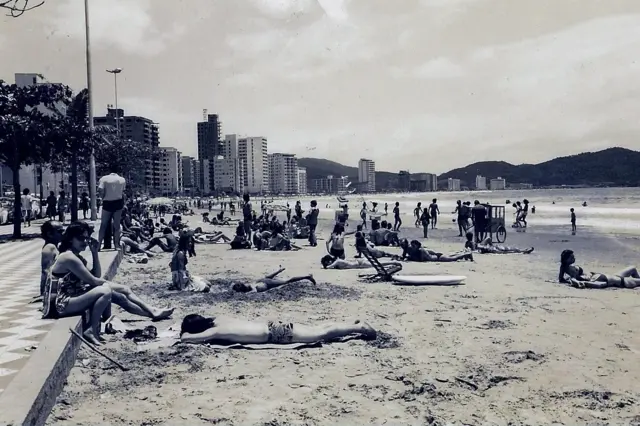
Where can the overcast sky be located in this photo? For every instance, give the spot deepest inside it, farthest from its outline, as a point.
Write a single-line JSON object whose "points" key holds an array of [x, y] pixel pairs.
{"points": [[425, 85]]}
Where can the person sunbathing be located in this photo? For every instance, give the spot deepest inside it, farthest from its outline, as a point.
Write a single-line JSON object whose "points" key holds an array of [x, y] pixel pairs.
{"points": [[486, 246], [211, 237], [70, 269], [331, 262], [167, 242], [574, 275], [198, 329], [414, 252], [269, 282]]}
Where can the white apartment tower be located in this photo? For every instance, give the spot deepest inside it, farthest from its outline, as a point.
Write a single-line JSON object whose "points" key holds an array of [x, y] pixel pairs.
{"points": [[228, 168], [498, 184], [367, 174], [453, 184], [481, 183], [302, 180], [283, 173], [252, 152], [169, 170]]}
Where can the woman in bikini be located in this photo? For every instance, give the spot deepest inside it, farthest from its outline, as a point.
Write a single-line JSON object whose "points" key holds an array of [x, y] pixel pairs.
{"points": [[66, 290], [414, 252], [486, 246], [198, 329], [335, 244], [269, 282], [574, 275]]}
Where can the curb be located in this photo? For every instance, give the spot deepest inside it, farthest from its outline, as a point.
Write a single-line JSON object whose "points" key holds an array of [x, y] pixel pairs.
{"points": [[31, 395]]}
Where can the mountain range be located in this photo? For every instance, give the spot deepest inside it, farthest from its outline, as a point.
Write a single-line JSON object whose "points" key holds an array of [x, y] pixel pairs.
{"points": [[609, 167]]}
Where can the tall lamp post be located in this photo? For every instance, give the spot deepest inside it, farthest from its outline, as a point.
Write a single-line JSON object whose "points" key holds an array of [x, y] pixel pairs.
{"points": [[92, 160], [115, 73]]}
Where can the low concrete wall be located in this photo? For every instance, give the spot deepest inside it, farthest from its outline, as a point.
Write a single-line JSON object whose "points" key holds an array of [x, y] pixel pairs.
{"points": [[31, 395]]}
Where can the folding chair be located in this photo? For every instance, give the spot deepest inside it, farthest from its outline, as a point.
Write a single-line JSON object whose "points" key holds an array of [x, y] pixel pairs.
{"points": [[383, 273]]}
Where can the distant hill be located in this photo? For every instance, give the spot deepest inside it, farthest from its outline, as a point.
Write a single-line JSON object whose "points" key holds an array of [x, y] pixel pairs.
{"points": [[612, 166]]}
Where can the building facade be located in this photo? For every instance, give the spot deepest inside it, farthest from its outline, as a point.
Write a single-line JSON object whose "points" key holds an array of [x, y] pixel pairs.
{"points": [[424, 182], [209, 143], [141, 130], [481, 183], [229, 166], [302, 180], [367, 173], [329, 185], [252, 152], [170, 171], [190, 175], [283, 173], [404, 180], [498, 184], [206, 185], [453, 184]]}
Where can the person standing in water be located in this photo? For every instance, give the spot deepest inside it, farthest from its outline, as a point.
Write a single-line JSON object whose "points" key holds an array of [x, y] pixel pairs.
{"points": [[573, 222], [417, 212], [434, 211], [396, 216], [386, 208], [424, 220]]}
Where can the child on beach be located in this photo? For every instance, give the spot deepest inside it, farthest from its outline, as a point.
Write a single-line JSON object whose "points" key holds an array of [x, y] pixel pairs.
{"points": [[573, 222]]}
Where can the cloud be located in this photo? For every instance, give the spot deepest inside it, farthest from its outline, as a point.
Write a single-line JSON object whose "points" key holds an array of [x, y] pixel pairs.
{"points": [[283, 8], [124, 24]]}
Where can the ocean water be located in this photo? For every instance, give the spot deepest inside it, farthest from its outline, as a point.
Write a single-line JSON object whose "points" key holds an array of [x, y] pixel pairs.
{"points": [[609, 210]]}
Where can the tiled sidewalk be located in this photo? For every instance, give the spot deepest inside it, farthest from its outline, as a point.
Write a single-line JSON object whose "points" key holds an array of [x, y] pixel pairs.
{"points": [[21, 326]]}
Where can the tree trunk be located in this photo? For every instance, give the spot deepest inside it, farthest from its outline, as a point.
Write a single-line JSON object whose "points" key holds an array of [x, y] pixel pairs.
{"points": [[41, 190], [17, 209], [74, 187]]}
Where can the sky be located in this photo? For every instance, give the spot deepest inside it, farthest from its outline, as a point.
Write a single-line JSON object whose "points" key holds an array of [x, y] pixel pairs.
{"points": [[423, 85]]}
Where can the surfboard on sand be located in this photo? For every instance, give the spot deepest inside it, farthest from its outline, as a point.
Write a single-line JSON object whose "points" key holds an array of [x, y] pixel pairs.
{"points": [[428, 279]]}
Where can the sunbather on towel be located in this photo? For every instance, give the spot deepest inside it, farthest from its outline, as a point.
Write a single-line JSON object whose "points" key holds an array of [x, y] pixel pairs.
{"points": [[269, 282], [330, 262], [486, 246], [211, 238], [198, 329], [414, 252], [574, 275]]}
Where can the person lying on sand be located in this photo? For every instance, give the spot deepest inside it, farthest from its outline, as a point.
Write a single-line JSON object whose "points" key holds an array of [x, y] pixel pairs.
{"points": [[211, 238], [198, 329], [486, 246], [414, 252], [574, 275], [270, 281], [330, 262]]}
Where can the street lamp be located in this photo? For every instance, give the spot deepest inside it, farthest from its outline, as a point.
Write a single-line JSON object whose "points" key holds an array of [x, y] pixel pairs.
{"points": [[115, 73], [92, 160]]}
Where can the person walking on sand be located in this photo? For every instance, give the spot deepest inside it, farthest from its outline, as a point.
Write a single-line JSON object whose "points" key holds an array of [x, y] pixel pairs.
{"points": [[434, 211], [424, 220], [396, 216], [417, 212], [573, 222]]}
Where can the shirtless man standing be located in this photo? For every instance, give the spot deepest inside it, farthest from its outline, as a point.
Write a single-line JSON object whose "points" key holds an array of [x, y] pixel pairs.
{"points": [[111, 189]]}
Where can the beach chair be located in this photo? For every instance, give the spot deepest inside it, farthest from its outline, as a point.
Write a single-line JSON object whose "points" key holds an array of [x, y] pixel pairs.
{"points": [[382, 273]]}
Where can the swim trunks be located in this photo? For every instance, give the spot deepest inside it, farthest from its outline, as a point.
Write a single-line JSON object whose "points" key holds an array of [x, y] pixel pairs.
{"points": [[112, 205], [280, 333]]}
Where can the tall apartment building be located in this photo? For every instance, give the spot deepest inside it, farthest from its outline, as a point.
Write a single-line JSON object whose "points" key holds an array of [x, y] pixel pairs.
{"points": [[404, 180], [206, 184], [367, 174], [330, 185], [252, 152], [302, 180], [481, 183], [170, 171], [209, 142], [190, 175], [141, 130], [498, 184], [283, 173], [453, 184], [228, 169]]}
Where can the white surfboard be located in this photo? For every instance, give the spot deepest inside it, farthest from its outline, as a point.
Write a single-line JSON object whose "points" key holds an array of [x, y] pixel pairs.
{"points": [[428, 279]]}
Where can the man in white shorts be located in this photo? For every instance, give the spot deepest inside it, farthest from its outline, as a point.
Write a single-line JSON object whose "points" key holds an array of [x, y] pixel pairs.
{"points": [[111, 189]]}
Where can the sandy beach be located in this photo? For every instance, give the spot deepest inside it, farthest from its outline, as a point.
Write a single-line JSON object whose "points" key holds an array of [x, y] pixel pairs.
{"points": [[509, 347]]}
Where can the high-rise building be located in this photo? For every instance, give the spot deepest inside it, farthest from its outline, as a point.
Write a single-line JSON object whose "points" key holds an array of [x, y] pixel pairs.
{"points": [[481, 183], [498, 184], [252, 152], [141, 130], [228, 170], [170, 171], [367, 174], [209, 141], [453, 184], [283, 173], [190, 175], [302, 180], [404, 180], [206, 185]]}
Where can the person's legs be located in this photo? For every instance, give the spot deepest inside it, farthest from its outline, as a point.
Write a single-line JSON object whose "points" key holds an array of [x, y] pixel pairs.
{"points": [[130, 302], [434, 221], [97, 299], [630, 271], [330, 331], [157, 242], [425, 230], [117, 216], [455, 257], [105, 221]]}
